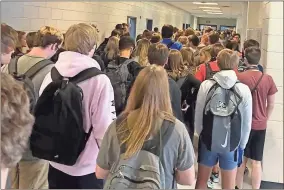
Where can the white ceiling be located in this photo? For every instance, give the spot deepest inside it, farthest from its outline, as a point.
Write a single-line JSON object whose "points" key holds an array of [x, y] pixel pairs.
{"points": [[229, 9]]}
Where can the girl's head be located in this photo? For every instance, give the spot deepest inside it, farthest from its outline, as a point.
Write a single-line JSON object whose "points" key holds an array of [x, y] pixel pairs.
{"points": [[21, 39], [205, 55], [183, 40], [111, 48], [142, 52], [175, 61], [188, 57], [150, 102], [178, 34], [205, 39]]}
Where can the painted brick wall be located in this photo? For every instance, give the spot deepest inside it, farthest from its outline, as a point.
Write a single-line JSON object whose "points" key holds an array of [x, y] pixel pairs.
{"points": [[30, 16]]}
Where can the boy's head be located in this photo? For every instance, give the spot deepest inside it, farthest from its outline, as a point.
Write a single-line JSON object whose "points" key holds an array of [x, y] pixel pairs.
{"points": [[9, 38], [156, 29], [158, 54], [237, 37], [227, 59], [126, 46], [215, 49], [213, 38], [250, 43], [81, 38], [253, 55], [167, 31], [49, 39], [193, 40]]}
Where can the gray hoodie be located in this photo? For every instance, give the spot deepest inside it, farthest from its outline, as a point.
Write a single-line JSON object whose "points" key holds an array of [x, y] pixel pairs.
{"points": [[226, 79]]}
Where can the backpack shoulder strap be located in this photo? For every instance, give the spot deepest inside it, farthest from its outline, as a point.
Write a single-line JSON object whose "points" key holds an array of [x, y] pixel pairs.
{"points": [[82, 76], [259, 80], [37, 67], [12, 66], [86, 74], [208, 69]]}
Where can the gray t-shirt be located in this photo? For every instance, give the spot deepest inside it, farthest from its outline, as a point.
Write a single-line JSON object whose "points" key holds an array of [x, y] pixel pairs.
{"points": [[178, 153]]}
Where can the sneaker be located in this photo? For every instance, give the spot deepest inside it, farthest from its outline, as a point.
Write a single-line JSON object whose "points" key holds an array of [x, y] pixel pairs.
{"points": [[210, 184], [214, 177]]}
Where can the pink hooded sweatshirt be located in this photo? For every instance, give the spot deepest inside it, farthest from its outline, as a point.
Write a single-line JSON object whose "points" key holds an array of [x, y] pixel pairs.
{"points": [[98, 108]]}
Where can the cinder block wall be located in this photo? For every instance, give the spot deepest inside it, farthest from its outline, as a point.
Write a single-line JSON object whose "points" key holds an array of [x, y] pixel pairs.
{"points": [[30, 16]]}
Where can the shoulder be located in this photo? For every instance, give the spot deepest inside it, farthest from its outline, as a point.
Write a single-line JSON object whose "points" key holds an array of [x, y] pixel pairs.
{"points": [[243, 90]]}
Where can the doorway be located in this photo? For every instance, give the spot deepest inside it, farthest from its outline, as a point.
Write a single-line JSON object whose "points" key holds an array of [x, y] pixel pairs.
{"points": [[131, 21], [149, 24]]}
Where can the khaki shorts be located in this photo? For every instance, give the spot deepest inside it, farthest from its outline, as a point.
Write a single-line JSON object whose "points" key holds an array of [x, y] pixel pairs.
{"points": [[30, 175]]}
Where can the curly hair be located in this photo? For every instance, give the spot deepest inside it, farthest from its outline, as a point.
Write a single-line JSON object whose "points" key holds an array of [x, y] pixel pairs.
{"points": [[16, 121]]}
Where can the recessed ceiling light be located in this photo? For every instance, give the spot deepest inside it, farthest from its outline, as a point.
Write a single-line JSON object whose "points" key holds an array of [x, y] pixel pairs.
{"points": [[215, 11], [204, 3], [209, 7]]}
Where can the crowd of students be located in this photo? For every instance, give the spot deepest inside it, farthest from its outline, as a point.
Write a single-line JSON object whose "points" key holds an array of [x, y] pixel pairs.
{"points": [[129, 108]]}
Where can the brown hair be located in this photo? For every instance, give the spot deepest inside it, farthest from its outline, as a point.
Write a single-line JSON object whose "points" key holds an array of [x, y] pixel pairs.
{"points": [[176, 66], [188, 56], [215, 49], [183, 40], [30, 38], [16, 121], [48, 35], [189, 32], [150, 103], [111, 48], [158, 54], [156, 37], [178, 35], [142, 52], [9, 38], [227, 59]]}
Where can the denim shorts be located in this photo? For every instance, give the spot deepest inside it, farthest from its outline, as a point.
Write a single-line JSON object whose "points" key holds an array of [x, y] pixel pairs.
{"points": [[227, 161]]}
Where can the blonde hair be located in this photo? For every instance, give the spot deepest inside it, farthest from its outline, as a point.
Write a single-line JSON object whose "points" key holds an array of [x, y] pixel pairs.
{"points": [[150, 102], [142, 52], [206, 51], [81, 38], [183, 40], [48, 35], [16, 121], [111, 48], [227, 59]]}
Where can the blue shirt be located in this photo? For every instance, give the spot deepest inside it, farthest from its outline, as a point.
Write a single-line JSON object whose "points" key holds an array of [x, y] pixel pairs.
{"points": [[175, 45]]}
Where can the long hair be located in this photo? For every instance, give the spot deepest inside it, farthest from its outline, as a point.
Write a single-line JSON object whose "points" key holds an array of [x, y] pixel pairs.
{"points": [[188, 59], [142, 52], [176, 67], [150, 98], [111, 48]]}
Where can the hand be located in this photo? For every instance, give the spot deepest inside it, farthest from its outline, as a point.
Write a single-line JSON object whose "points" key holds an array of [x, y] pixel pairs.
{"points": [[240, 156]]}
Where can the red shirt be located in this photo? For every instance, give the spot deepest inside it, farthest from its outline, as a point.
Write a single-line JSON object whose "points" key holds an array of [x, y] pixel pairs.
{"points": [[201, 70], [265, 88]]}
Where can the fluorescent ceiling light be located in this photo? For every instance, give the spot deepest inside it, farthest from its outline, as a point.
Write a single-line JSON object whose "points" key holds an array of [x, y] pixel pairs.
{"points": [[209, 7], [204, 3], [212, 11]]}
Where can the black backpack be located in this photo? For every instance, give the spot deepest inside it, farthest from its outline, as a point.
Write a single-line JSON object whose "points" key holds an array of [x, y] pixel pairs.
{"points": [[120, 79], [58, 133], [26, 78], [209, 71]]}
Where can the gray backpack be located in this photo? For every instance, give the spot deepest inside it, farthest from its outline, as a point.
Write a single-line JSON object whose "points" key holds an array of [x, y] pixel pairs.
{"points": [[145, 170], [222, 120]]}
